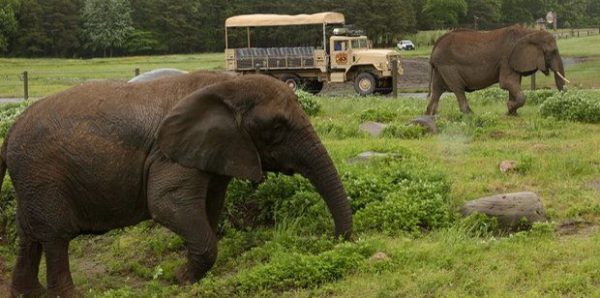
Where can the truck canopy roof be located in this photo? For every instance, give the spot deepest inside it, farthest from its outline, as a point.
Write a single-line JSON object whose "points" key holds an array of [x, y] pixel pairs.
{"points": [[258, 20]]}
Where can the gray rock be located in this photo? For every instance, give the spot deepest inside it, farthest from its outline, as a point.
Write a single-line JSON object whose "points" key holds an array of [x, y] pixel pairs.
{"points": [[367, 156], [508, 166], [427, 122], [156, 74], [373, 128], [510, 209]]}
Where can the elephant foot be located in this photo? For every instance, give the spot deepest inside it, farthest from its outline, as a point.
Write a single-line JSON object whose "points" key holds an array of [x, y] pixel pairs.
{"points": [[512, 113], [64, 293], [187, 274], [29, 293]]}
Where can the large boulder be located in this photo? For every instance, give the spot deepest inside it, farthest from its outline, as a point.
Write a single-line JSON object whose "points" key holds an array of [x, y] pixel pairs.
{"points": [[156, 74], [514, 211]]}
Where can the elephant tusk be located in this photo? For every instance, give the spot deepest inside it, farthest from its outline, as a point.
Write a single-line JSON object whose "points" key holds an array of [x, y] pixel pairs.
{"points": [[561, 76]]}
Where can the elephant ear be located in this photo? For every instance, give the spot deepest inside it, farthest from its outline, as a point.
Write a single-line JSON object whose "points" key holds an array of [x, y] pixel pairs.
{"points": [[527, 56], [203, 131]]}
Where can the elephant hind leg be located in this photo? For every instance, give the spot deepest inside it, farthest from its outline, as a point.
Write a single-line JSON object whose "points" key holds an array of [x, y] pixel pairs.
{"points": [[437, 88], [177, 200], [462, 102], [25, 281], [60, 283]]}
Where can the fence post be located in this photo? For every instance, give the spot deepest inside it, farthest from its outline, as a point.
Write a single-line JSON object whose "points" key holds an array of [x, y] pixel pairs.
{"points": [[395, 78], [25, 86], [533, 81], [137, 71]]}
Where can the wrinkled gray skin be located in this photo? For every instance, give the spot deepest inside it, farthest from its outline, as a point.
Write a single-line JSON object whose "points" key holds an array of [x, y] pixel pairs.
{"points": [[465, 60], [106, 155], [157, 74]]}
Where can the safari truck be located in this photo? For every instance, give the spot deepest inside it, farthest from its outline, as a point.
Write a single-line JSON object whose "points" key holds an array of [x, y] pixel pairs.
{"points": [[344, 55]]}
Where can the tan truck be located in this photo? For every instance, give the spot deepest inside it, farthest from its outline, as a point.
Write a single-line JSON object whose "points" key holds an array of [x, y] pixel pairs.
{"points": [[343, 56]]}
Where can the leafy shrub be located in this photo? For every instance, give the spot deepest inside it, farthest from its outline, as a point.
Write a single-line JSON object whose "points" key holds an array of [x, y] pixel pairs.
{"points": [[479, 225], [537, 97], [8, 114], [490, 95], [8, 207], [402, 131], [381, 115], [578, 105], [295, 270], [403, 196], [336, 130], [308, 102]]}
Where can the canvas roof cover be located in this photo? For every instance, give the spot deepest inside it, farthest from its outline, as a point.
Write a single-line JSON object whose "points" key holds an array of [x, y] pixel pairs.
{"points": [[257, 20]]}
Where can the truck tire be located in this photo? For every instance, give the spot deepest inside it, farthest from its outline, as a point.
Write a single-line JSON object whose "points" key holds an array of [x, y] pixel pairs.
{"points": [[292, 80], [365, 84]]}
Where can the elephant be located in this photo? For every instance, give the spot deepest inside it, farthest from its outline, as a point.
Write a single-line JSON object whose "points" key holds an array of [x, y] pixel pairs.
{"points": [[106, 155], [465, 60]]}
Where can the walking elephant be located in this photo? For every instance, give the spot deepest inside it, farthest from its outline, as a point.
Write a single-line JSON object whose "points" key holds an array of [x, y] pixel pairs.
{"points": [[465, 60], [105, 155]]}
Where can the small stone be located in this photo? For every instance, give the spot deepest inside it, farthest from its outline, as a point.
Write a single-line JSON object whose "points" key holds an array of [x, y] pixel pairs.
{"points": [[367, 156], [511, 209], [508, 165], [379, 257], [427, 122], [373, 128]]}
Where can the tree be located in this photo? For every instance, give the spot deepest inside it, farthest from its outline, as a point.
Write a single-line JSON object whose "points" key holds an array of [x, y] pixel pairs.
{"points": [[485, 13], [8, 22], [106, 24], [445, 12]]}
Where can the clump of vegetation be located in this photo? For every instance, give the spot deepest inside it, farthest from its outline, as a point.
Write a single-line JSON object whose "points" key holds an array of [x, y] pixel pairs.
{"points": [[578, 105], [8, 207], [488, 96], [308, 102], [337, 130], [537, 97], [403, 131], [8, 114], [378, 115]]}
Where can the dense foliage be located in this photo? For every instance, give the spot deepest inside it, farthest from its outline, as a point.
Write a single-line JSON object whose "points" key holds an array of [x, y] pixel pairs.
{"points": [[579, 105], [70, 28]]}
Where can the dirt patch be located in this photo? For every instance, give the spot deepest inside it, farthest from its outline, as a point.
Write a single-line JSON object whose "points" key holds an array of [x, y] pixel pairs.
{"points": [[572, 227], [595, 184]]}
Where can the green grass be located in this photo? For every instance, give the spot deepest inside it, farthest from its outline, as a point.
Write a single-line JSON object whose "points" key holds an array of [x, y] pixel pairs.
{"points": [[289, 255], [558, 160]]}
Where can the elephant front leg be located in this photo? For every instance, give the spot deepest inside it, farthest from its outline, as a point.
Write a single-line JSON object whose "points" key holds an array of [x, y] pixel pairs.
{"points": [[462, 102], [177, 200]]}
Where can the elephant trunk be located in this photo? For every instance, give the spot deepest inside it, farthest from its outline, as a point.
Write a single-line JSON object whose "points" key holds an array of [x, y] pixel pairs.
{"points": [[317, 166], [559, 73]]}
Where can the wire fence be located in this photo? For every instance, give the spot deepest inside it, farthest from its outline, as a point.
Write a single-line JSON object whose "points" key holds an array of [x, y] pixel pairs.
{"points": [[38, 83]]}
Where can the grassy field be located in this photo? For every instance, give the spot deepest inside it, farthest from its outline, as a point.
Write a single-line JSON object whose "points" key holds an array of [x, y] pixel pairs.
{"points": [[401, 248]]}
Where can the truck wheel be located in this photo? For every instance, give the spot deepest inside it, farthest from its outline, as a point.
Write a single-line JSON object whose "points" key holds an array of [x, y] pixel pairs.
{"points": [[293, 81], [365, 83], [313, 86]]}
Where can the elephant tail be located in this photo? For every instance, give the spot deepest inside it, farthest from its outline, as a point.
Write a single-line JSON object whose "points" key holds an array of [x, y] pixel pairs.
{"points": [[430, 79]]}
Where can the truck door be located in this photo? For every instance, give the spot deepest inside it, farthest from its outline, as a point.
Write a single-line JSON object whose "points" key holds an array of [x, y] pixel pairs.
{"points": [[339, 55]]}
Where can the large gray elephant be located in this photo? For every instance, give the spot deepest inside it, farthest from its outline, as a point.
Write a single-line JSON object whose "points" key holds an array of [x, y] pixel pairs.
{"points": [[465, 60], [106, 155]]}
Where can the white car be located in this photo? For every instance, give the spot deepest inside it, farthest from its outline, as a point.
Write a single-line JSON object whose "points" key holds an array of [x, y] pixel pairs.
{"points": [[406, 45]]}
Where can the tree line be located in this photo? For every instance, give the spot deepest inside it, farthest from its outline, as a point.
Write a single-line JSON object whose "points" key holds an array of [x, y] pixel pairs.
{"points": [[88, 28]]}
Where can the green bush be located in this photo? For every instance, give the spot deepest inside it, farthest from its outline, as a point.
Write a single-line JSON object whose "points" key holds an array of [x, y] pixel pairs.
{"points": [[578, 105], [399, 196], [403, 131], [8, 207], [336, 130], [308, 102], [488, 96], [8, 114], [381, 115], [537, 97]]}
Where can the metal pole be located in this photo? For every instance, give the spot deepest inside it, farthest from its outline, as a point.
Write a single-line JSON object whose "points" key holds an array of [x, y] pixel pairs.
{"points": [[533, 81], [137, 72], [324, 37], [395, 78], [248, 33], [226, 39], [25, 86]]}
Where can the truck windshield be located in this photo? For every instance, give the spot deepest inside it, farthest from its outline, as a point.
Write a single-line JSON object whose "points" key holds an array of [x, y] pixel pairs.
{"points": [[359, 44]]}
